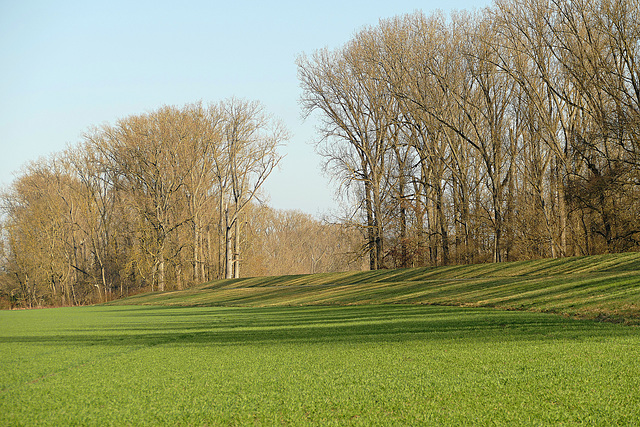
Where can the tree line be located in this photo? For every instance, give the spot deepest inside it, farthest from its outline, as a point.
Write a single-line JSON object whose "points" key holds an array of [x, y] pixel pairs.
{"points": [[157, 201], [502, 134]]}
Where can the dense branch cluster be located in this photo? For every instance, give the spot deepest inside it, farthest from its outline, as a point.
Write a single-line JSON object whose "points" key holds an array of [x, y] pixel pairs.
{"points": [[505, 134], [156, 201]]}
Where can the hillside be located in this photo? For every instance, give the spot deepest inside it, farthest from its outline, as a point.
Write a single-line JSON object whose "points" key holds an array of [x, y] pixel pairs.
{"points": [[604, 287]]}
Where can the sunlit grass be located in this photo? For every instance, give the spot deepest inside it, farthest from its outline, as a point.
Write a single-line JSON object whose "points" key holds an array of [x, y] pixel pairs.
{"points": [[354, 365], [605, 287]]}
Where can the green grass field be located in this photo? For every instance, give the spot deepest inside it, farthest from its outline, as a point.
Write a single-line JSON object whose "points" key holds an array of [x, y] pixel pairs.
{"points": [[280, 360]]}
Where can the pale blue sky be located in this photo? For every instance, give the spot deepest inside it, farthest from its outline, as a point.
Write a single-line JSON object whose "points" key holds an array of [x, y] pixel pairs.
{"points": [[69, 65]]}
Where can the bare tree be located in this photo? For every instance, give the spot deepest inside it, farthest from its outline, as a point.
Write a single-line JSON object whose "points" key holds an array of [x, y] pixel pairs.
{"points": [[359, 119], [249, 155]]}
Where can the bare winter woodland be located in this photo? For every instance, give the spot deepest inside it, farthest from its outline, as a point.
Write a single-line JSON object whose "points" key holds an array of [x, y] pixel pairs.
{"points": [[506, 134]]}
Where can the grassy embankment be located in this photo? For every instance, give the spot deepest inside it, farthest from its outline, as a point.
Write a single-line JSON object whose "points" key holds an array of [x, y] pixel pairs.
{"points": [[356, 362], [605, 287]]}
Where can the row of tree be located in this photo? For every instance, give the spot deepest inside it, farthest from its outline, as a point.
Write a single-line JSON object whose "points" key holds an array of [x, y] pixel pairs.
{"points": [[508, 133], [504, 134], [157, 201]]}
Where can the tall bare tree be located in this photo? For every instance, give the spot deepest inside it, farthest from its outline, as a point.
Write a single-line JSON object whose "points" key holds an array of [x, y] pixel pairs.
{"points": [[359, 119], [249, 155]]}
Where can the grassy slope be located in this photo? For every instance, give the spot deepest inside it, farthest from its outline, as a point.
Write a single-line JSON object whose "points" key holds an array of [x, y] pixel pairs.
{"points": [[604, 287]]}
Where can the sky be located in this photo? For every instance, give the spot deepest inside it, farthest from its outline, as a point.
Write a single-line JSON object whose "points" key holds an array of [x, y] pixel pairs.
{"points": [[66, 66]]}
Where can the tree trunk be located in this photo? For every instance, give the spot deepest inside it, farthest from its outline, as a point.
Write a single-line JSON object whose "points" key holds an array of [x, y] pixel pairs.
{"points": [[562, 210], [202, 258], [236, 250], [404, 258], [228, 250], [371, 238], [161, 277], [210, 257], [196, 249], [442, 220], [379, 226], [222, 234], [497, 236], [104, 281], [432, 222]]}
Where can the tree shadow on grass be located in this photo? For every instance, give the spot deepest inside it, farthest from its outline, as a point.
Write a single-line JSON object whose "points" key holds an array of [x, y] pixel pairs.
{"points": [[150, 326]]}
